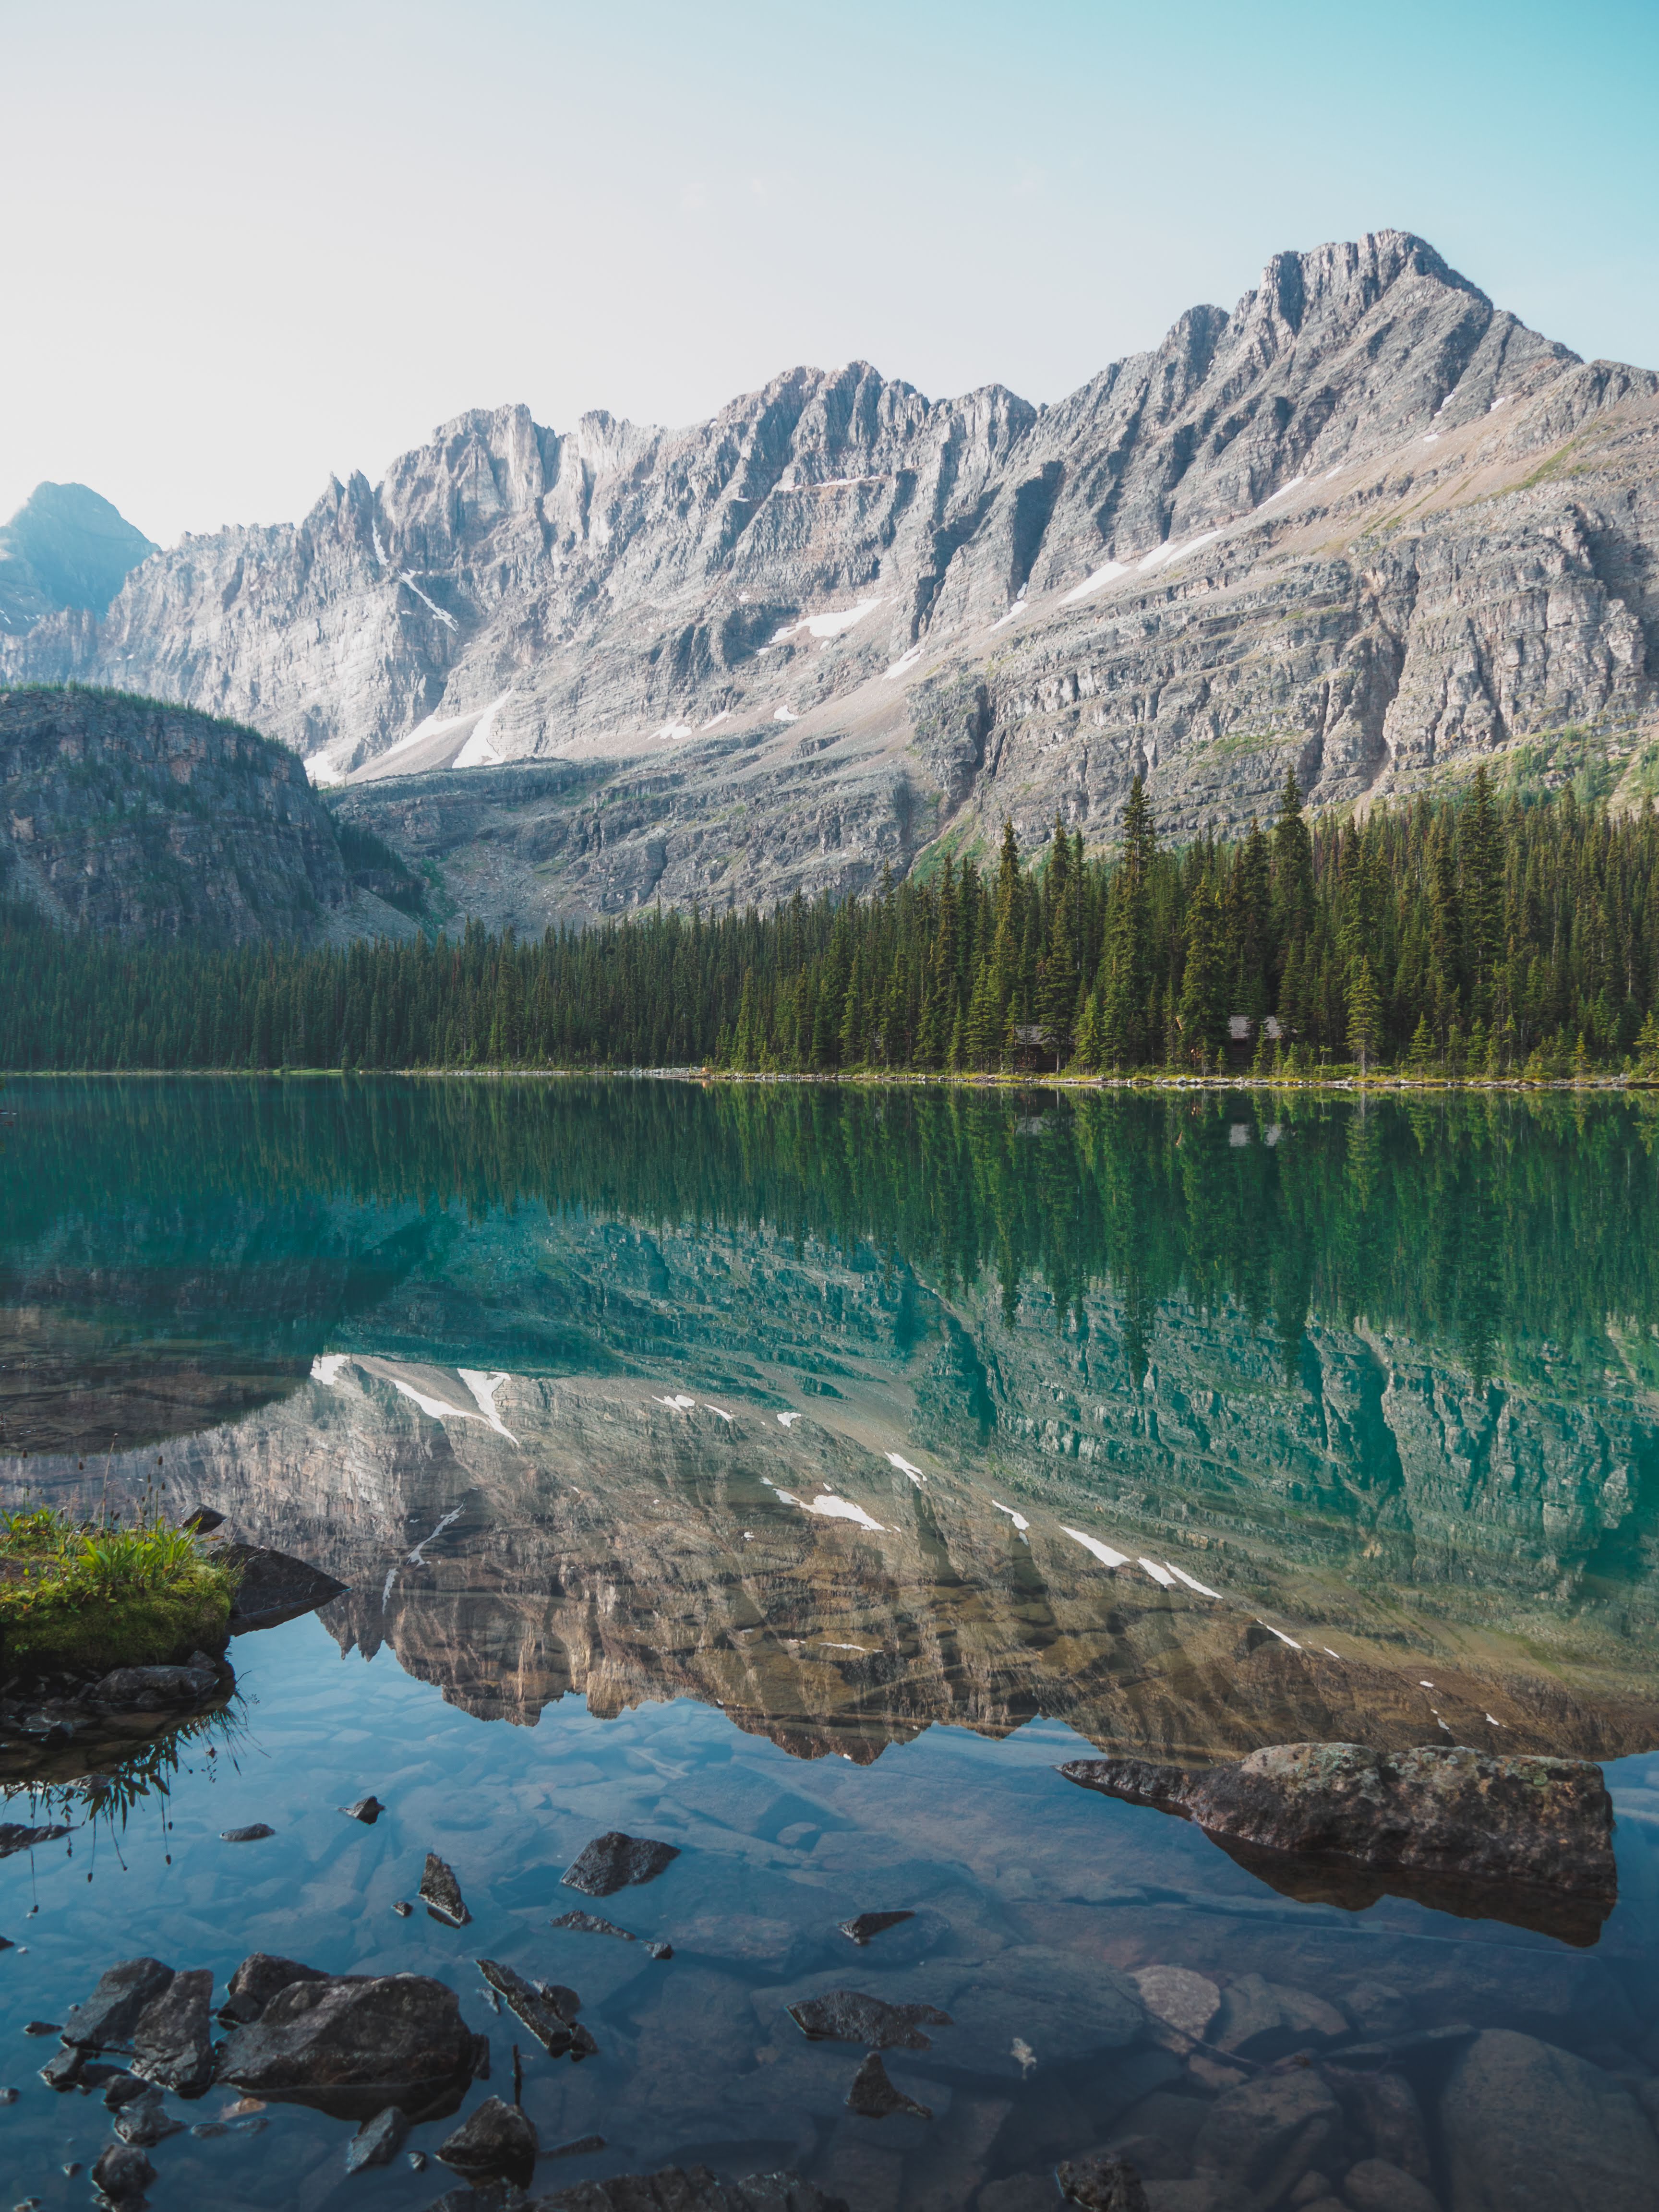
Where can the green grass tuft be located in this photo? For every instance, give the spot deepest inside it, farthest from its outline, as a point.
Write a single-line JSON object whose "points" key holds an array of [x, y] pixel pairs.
{"points": [[82, 1597]]}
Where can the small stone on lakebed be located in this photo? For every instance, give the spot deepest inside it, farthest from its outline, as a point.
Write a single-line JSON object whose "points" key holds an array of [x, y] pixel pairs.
{"points": [[874, 2097], [122, 2171], [859, 1930], [583, 2147], [496, 2143], [255, 1834], [40, 2027], [378, 2141], [615, 1861], [440, 1893], [851, 2016], [367, 1809], [402, 1907]]}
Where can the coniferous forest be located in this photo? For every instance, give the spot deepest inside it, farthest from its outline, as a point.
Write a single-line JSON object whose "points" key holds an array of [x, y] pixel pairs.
{"points": [[1477, 936]]}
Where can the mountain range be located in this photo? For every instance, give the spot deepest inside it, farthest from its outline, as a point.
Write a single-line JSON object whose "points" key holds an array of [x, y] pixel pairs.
{"points": [[1366, 526]]}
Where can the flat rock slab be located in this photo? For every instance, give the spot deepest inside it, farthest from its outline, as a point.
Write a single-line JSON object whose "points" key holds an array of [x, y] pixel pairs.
{"points": [[172, 2042], [1180, 2004], [255, 1833], [615, 1861], [440, 1893], [589, 1924], [547, 2010], [273, 1586], [378, 2141], [259, 1978], [1472, 1816], [874, 2097], [106, 2022], [864, 1925], [1525, 2125], [850, 2016], [351, 2045], [494, 2142]]}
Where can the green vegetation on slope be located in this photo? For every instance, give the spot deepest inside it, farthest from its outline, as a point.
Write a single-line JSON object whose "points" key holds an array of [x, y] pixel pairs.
{"points": [[1473, 937], [81, 1598]]}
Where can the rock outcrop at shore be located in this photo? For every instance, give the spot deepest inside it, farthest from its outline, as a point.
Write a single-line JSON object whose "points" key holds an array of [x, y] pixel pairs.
{"points": [[1541, 1825]]}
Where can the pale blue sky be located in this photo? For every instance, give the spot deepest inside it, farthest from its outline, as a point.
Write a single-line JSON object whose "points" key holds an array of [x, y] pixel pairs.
{"points": [[245, 245]]}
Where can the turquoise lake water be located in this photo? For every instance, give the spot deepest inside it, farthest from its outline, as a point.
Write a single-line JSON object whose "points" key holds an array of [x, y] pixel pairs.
{"points": [[799, 1476]]}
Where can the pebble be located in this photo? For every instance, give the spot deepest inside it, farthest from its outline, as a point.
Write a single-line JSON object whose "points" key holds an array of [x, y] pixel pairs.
{"points": [[367, 1809], [8, 2096], [40, 2027], [402, 1907], [255, 1834]]}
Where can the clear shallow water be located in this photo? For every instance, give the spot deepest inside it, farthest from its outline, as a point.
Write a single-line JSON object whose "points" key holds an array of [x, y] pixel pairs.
{"points": [[1387, 1387]]}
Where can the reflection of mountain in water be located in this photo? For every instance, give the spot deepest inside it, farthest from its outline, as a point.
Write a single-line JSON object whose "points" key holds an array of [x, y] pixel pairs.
{"points": [[1123, 1317]]}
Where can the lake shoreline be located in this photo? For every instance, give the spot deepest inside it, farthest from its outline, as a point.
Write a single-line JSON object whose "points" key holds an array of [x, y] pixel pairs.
{"points": [[1379, 1086]]}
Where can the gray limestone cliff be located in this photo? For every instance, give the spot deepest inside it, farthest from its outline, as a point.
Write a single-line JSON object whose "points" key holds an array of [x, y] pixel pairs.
{"points": [[1367, 525], [139, 820]]}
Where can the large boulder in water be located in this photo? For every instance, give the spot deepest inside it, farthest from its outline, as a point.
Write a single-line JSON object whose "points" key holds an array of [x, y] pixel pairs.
{"points": [[1445, 1810], [1528, 2128], [351, 2045]]}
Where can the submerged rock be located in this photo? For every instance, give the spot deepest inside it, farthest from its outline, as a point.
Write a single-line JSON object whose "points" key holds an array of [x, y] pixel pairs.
{"points": [[1101, 2185], [351, 2045], [172, 2042], [1265, 2021], [860, 1929], [254, 1834], [615, 1861], [1374, 2186], [378, 2141], [106, 2022], [583, 2147], [1523, 2124], [122, 2171], [1265, 2135], [547, 2009], [145, 2120], [850, 2016], [1453, 1811], [257, 1979], [658, 1950], [496, 2143], [693, 2189], [367, 1809], [1180, 2003], [589, 1924], [440, 1893], [874, 2097]]}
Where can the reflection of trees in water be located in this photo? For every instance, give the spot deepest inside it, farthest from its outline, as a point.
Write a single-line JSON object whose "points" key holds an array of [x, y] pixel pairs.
{"points": [[1465, 1221], [105, 1800]]}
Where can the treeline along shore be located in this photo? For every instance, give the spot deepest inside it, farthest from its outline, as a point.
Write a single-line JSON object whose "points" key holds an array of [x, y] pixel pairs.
{"points": [[1480, 936]]}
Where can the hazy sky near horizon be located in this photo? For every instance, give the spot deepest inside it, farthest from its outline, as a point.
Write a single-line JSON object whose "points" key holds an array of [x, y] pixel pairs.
{"points": [[246, 245]]}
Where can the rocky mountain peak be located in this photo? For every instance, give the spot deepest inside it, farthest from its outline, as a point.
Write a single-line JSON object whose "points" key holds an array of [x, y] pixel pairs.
{"points": [[1332, 529], [65, 547]]}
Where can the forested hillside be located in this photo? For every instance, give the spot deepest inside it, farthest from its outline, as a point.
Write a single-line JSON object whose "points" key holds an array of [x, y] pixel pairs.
{"points": [[1475, 937]]}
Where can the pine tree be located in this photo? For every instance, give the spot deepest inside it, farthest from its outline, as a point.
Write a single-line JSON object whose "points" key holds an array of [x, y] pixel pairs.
{"points": [[1365, 1013], [1203, 1015]]}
